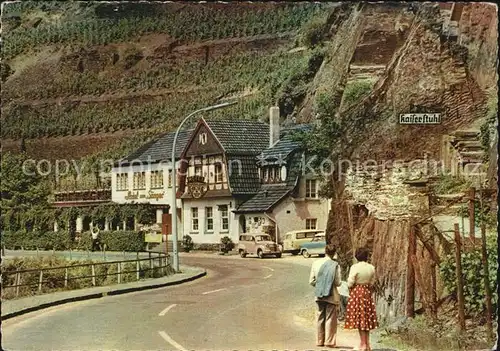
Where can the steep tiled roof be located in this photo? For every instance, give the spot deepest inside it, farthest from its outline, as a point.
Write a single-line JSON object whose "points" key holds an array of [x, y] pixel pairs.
{"points": [[241, 136], [243, 177], [285, 146], [159, 149], [269, 195], [265, 199]]}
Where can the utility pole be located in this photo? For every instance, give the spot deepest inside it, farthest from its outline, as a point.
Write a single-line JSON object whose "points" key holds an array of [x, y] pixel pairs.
{"points": [[174, 180]]}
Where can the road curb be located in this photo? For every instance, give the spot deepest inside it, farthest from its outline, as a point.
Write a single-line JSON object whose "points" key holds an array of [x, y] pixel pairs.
{"points": [[162, 285], [101, 294]]}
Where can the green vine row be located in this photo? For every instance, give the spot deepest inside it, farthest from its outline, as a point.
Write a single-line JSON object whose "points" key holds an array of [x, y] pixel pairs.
{"points": [[191, 24]]}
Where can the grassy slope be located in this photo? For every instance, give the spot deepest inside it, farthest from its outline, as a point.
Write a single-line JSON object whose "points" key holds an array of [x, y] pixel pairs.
{"points": [[88, 69]]}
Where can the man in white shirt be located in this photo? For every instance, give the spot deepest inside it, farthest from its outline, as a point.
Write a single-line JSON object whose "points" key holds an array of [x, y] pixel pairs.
{"points": [[327, 305], [95, 237]]}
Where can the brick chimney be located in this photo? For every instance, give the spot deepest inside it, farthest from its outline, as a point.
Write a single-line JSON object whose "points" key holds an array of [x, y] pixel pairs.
{"points": [[274, 125]]}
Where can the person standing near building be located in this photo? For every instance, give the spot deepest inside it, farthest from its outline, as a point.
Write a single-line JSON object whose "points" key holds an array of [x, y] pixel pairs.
{"points": [[361, 312], [325, 277], [95, 237]]}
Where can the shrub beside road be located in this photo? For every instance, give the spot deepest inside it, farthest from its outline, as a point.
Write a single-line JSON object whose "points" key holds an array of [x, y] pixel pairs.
{"points": [[61, 240]]}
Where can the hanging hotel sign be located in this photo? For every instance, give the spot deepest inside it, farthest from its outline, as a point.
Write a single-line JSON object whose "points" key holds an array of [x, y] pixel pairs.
{"points": [[420, 118], [197, 187]]}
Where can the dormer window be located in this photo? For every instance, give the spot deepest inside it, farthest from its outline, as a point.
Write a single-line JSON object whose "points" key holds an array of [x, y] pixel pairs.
{"points": [[272, 174], [283, 173]]}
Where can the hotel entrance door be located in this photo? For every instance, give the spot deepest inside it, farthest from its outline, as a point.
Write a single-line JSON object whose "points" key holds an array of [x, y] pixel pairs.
{"points": [[166, 224]]}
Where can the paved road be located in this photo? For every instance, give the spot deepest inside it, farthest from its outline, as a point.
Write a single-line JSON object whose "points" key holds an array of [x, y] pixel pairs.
{"points": [[242, 304]]}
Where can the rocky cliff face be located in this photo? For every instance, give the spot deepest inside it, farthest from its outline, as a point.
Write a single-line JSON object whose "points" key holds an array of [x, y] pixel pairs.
{"points": [[477, 30], [424, 70], [438, 61], [390, 191]]}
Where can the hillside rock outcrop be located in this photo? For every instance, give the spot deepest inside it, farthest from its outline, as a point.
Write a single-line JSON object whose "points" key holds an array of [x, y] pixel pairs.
{"points": [[429, 71]]}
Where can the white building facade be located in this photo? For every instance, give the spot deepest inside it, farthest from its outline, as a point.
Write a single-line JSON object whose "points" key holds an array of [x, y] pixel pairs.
{"points": [[145, 176]]}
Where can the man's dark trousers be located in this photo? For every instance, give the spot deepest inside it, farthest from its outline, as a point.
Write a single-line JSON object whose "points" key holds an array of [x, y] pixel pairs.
{"points": [[327, 323]]}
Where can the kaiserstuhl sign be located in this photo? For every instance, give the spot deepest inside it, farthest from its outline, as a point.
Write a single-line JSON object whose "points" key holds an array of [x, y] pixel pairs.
{"points": [[420, 118], [197, 187]]}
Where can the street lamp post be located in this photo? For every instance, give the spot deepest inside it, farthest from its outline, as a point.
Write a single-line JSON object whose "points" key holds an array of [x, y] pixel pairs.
{"points": [[174, 178]]}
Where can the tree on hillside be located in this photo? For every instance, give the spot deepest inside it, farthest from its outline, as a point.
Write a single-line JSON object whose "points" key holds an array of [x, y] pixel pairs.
{"points": [[24, 202]]}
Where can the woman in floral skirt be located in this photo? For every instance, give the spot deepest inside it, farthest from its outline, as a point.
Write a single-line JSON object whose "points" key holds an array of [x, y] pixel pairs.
{"points": [[361, 312]]}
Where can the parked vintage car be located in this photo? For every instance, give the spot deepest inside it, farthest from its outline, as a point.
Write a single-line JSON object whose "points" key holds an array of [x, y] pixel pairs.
{"points": [[314, 247], [294, 239], [258, 244]]}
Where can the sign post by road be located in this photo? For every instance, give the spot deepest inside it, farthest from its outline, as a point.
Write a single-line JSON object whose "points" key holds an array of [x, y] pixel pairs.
{"points": [[174, 178]]}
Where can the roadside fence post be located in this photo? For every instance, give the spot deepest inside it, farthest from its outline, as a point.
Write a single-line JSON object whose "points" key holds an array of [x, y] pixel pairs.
{"points": [[460, 280], [119, 269], [487, 289], [70, 254], [37, 251], [124, 255], [410, 274], [165, 262], [66, 277], [150, 262], [18, 281], [137, 264], [162, 264], [433, 284], [40, 281], [93, 274]]}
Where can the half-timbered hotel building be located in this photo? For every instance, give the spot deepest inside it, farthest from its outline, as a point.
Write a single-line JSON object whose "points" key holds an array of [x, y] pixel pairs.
{"points": [[234, 176], [219, 172]]}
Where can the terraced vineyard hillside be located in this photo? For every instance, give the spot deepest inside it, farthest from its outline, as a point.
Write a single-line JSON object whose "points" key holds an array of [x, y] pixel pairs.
{"points": [[86, 78], [96, 80]]}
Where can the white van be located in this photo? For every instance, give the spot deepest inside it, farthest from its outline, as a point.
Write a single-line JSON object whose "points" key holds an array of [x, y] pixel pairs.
{"points": [[294, 239]]}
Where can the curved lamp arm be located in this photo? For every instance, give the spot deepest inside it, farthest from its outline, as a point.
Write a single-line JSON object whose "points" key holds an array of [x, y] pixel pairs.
{"points": [[173, 206]]}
